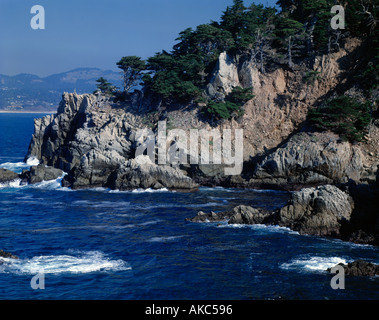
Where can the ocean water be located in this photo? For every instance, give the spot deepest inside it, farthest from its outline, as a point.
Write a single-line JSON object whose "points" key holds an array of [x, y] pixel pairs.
{"points": [[102, 244]]}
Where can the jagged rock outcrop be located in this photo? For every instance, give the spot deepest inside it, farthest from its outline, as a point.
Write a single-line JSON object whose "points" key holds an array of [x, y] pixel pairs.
{"points": [[280, 108], [35, 175], [83, 125], [319, 211], [225, 77], [93, 141]]}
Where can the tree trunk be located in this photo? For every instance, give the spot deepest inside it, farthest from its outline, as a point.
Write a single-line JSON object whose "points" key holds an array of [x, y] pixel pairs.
{"points": [[290, 63]]}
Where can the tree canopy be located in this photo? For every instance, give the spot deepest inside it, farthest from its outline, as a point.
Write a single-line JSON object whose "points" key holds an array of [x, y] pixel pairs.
{"points": [[293, 30]]}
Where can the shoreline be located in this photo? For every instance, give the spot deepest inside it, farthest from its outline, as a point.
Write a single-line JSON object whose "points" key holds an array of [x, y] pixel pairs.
{"points": [[28, 112]]}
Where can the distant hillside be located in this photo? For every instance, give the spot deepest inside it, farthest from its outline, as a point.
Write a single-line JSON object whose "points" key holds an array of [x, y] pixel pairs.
{"points": [[31, 93]]}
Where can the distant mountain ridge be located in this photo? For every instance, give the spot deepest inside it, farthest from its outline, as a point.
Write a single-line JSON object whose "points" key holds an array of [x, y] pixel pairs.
{"points": [[28, 92]]}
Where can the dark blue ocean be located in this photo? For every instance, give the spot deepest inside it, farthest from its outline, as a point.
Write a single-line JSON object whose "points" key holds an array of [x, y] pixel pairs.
{"points": [[99, 244]]}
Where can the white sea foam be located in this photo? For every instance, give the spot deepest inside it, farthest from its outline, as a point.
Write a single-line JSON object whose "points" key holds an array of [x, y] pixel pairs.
{"points": [[260, 227], [19, 166], [87, 262], [11, 184], [313, 264], [165, 239], [32, 161], [149, 190], [180, 205], [15, 166]]}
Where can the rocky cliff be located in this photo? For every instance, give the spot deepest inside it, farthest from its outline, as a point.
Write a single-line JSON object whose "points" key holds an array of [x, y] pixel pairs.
{"points": [[93, 139]]}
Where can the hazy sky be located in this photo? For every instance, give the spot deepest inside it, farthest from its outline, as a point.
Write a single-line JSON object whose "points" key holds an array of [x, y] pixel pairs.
{"points": [[96, 33]]}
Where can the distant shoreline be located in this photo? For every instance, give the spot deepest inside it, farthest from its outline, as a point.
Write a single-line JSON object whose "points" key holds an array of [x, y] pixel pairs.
{"points": [[39, 112]]}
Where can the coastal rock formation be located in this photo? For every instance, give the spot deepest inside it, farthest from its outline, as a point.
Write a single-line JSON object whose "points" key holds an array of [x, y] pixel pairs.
{"points": [[360, 268], [40, 173], [92, 137], [7, 176], [276, 155], [210, 217], [142, 173], [248, 215], [322, 211], [239, 215], [94, 142], [311, 159], [316, 211]]}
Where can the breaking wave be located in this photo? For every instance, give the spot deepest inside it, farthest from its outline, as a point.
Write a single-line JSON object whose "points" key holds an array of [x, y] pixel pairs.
{"points": [[87, 262], [313, 264]]}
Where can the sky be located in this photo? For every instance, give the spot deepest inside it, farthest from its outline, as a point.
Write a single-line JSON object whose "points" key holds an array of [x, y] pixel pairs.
{"points": [[96, 33]]}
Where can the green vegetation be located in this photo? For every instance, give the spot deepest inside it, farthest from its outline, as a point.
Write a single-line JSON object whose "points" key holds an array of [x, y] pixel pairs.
{"points": [[104, 86], [132, 68], [311, 76], [269, 37], [232, 107], [343, 115]]}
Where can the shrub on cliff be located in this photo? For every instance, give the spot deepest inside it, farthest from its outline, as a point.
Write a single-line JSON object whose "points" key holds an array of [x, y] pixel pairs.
{"points": [[343, 115], [232, 107]]}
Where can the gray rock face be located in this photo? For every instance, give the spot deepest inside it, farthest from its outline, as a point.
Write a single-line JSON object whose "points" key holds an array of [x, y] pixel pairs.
{"points": [[225, 77], [142, 173], [81, 128], [211, 217], [7, 176], [239, 215], [248, 215], [317, 211], [311, 160], [93, 141], [42, 173]]}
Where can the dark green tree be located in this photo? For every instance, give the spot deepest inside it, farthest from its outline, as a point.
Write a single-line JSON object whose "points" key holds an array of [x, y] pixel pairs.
{"points": [[289, 32], [104, 86], [343, 115], [132, 68]]}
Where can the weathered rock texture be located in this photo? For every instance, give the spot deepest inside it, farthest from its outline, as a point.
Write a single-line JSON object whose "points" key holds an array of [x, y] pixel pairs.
{"points": [[322, 211], [93, 142], [7, 175], [360, 268], [275, 153], [308, 159], [92, 138], [317, 211]]}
